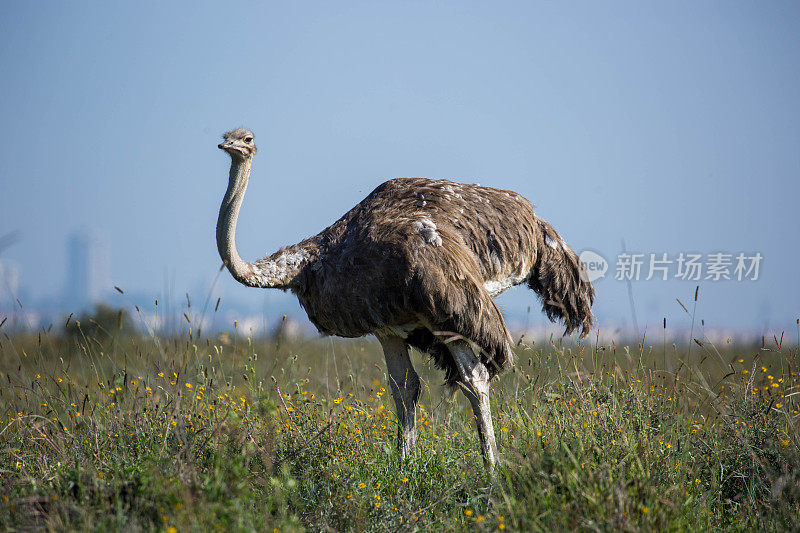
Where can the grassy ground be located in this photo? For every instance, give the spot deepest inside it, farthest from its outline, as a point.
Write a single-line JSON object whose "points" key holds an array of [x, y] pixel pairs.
{"points": [[118, 432]]}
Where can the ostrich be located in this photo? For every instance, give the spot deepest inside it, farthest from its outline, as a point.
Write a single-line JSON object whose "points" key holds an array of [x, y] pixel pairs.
{"points": [[417, 263]]}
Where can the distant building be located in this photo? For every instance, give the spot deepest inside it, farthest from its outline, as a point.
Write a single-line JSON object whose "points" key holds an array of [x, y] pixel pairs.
{"points": [[88, 270], [9, 283]]}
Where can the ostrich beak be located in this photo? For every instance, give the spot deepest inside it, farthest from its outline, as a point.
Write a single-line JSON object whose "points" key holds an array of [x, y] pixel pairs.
{"points": [[237, 147], [232, 145]]}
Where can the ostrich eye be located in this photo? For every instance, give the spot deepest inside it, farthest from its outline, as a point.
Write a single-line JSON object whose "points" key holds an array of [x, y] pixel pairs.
{"points": [[248, 139]]}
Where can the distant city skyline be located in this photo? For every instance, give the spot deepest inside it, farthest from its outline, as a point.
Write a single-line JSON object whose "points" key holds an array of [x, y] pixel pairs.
{"points": [[9, 283], [671, 127], [88, 275], [87, 283]]}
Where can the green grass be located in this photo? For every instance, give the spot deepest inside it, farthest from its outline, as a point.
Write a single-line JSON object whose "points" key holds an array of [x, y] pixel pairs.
{"points": [[118, 432]]}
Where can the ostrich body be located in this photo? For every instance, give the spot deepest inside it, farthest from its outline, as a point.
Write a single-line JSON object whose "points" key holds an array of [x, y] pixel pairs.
{"points": [[416, 263]]}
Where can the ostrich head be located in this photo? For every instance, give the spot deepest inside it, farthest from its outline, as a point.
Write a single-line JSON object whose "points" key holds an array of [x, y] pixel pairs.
{"points": [[239, 143]]}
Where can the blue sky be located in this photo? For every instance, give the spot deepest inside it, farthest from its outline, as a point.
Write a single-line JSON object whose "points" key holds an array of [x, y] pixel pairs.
{"points": [[675, 127]]}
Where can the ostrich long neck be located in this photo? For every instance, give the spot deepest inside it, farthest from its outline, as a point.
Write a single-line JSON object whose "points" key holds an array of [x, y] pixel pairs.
{"points": [[275, 271]]}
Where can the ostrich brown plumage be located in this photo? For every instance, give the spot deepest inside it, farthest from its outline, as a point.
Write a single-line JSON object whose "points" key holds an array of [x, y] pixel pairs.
{"points": [[416, 263]]}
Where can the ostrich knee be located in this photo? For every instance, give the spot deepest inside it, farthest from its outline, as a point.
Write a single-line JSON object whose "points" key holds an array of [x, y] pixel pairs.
{"points": [[406, 395], [405, 386], [474, 381], [476, 389]]}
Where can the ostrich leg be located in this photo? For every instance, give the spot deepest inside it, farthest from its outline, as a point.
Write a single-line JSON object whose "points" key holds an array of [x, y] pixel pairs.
{"points": [[475, 384], [404, 383]]}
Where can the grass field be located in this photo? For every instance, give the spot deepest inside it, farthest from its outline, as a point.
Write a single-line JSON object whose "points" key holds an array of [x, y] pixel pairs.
{"points": [[105, 430]]}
